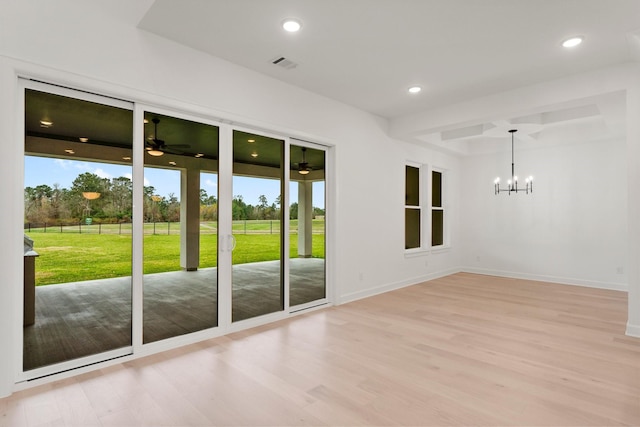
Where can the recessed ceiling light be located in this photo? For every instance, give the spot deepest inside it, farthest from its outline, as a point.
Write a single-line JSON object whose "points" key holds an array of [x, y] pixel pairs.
{"points": [[145, 121], [199, 155], [46, 123], [69, 151], [172, 163], [254, 154], [415, 89], [251, 140], [126, 158], [573, 41], [291, 25], [83, 139]]}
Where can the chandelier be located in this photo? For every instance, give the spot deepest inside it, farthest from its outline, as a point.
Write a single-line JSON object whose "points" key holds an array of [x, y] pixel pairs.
{"points": [[512, 184]]}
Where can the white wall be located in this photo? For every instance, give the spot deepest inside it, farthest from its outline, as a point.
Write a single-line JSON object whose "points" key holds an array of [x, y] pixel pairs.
{"points": [[571, 229], [95, 46], [571, 236]]}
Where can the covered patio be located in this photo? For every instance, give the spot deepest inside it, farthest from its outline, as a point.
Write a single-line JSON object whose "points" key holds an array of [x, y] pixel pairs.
{"points": [[83, 318]]}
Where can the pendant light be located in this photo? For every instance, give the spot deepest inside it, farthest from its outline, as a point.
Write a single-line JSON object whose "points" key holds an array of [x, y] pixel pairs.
{"points": [[512, 184]]}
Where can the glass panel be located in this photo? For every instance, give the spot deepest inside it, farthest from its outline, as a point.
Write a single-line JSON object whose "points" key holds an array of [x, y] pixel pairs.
{"points": [[412, 228], [436, 180], [307, 278], [257, 229], [180, 253], [412, 186], [78, 206], [437, 228]]}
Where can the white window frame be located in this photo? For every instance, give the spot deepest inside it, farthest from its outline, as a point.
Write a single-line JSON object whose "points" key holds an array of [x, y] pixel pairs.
{"points": [[420, 206], [443, 208]]}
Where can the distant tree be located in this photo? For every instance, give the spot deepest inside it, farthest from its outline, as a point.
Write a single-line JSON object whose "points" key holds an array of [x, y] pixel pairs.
{"points": [[120, 201], [172, 209], [37, 203], [293, 210], [239, 208], [206, 200]]}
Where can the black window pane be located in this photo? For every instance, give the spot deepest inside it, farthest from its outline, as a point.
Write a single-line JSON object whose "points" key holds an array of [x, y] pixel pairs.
{"points": [[412, 186], [436, 181], [437, 228], [412, 228]]}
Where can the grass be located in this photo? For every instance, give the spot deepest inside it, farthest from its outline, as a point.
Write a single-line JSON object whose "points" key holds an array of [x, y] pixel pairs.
{"points": [[69, 257]]}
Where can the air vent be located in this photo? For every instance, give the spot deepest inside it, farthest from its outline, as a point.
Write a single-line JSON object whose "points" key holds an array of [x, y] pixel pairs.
{"points": [[285, 63]]}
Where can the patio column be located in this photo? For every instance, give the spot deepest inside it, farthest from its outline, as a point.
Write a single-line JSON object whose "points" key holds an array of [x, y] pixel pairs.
{"points": [[190, 219], [305, 216]]}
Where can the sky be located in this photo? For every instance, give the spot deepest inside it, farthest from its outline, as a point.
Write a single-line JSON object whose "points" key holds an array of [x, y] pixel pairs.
{"points": [[43, 170]]}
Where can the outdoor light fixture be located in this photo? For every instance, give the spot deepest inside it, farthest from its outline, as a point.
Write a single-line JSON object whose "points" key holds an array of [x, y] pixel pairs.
{"points": [[303, 167], [512, 184], [156, 153]]}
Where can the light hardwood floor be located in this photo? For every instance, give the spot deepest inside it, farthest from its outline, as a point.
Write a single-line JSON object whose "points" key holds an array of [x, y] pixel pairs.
{"points": [[462, 350]]}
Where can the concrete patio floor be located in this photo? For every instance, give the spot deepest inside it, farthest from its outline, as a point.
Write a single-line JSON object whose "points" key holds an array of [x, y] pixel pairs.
{"points": [[83, 318]]}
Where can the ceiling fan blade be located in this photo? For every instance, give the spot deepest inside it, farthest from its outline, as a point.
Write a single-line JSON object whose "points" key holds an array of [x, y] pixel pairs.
{"points": [[169, 149]]}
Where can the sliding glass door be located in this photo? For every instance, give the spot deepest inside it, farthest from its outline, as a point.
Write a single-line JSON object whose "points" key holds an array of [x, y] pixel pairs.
{"points": [[257, 229], [180, 227], [122, 244], [77, 227], [307, 267]]}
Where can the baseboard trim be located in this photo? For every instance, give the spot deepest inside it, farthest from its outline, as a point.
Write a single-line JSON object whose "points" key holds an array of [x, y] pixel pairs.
{"points": [[551, 279], [633, 330], [354, 296]]}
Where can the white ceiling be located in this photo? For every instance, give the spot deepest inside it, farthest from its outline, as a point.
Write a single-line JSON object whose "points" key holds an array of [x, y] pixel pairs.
{"points": [[366, 53]]}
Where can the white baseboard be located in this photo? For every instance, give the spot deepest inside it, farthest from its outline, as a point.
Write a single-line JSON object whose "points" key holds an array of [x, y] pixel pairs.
{"points": [[544, 278], [354, 296], [633, 330]]}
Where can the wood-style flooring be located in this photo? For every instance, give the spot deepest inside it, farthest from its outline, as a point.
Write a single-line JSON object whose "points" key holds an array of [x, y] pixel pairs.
{"points": [[462, 350]]}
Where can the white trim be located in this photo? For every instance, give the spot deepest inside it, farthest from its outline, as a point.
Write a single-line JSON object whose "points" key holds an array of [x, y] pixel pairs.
{"points": [[546, 278], [633, 330], [137, 250], [444, 208], [354, 296], [49, 370], [285, 221], [416, 252]]}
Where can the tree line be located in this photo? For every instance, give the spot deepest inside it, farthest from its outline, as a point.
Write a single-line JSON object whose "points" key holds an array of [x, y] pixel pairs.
{"points": [[55, 205]]}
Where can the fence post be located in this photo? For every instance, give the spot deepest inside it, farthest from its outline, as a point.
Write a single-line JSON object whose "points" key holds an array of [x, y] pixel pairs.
{"points": [[168, 228], [80, 226], [245, 226], [60, 228], [271, 226], [154, 227], [119, 227], [45, 227], [99, 228]]}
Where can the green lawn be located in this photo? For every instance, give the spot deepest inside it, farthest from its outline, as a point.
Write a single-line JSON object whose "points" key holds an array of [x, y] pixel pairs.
{"points": [[67, 257]]}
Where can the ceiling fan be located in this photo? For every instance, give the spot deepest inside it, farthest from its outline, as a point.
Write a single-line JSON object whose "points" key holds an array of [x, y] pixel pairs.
{"points": [[303, 167], [157, 147]]}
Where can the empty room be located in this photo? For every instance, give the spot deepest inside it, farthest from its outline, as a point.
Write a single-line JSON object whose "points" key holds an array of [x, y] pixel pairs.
{"points": [[322, 212]]}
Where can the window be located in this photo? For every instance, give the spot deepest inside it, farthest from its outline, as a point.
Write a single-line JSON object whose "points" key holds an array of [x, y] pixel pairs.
{"points": [[412, 208], [437, 209]]}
